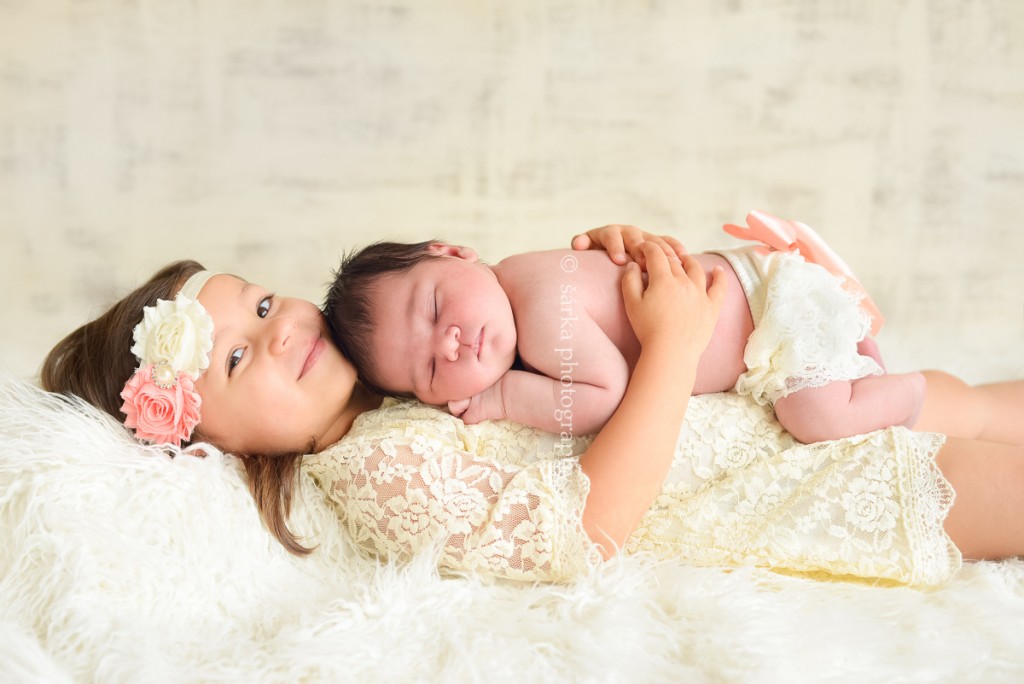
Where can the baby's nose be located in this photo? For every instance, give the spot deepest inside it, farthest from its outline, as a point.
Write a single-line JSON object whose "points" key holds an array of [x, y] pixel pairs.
{"points": [[450, 343]]}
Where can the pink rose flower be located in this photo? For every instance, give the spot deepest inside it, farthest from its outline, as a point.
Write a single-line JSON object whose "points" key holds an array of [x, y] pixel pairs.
{"points": [[160, 415]]}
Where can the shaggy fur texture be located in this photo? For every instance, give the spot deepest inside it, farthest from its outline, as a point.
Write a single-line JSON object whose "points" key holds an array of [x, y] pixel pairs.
{"points": [[120, 563]]}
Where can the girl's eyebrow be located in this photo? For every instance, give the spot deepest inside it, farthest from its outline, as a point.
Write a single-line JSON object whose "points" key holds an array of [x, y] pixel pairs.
{"points": [[242, 298]]}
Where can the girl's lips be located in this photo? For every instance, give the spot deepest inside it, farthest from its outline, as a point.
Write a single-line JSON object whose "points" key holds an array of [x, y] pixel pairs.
{"points": [[314, 355]]}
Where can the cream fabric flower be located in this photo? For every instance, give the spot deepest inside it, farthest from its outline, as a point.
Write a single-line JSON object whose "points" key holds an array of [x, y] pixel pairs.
{"points": [[178, 332]]}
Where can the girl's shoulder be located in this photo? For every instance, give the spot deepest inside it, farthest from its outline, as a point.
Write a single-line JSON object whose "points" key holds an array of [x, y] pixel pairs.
{"points": [[395, 423]]}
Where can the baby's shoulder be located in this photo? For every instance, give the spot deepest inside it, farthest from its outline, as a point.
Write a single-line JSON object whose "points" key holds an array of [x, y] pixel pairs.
{"points": [[558, 261], [538, 276], [528, 267]]}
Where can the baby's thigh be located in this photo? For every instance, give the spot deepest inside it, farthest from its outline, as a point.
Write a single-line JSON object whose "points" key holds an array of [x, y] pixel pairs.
{"points": [[815, 402], [815, 413]]}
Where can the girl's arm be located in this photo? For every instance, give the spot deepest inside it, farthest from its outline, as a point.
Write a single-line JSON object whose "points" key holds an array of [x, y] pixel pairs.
{"points": [[673, 318]]}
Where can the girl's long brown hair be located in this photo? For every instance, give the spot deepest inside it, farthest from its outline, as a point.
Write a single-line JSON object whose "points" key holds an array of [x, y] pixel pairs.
{"points": [[94, 361]]}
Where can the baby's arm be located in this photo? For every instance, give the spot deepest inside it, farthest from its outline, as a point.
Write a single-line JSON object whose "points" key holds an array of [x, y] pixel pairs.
{"points": [[584, 377]]}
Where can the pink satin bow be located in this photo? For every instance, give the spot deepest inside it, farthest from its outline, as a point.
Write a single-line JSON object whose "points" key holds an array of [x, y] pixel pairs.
{"points": [[780, 235]]}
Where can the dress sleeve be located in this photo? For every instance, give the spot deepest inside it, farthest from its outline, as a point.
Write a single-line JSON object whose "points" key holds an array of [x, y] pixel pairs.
{"points": [[524, 522]]}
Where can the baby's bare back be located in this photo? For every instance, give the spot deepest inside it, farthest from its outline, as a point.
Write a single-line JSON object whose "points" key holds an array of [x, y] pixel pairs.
{"points": [[550, 291]]}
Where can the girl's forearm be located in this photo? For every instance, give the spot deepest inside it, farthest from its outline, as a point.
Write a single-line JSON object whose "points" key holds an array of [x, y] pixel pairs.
{"points": [[628, 461]]}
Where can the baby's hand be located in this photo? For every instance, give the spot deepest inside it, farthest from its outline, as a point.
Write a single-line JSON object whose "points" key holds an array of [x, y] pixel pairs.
{"points": [[623, 242], [487, 405], [457, 407]]}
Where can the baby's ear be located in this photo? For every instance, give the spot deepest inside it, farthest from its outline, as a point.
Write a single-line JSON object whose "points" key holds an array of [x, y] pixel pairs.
{"points": [[457, 251]]}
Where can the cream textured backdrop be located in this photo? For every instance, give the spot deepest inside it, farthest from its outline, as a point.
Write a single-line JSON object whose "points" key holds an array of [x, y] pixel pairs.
{"points": [[264, 137]]}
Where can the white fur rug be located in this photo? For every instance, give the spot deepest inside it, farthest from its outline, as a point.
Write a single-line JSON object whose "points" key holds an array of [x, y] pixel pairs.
{"points": [[121, 564]]}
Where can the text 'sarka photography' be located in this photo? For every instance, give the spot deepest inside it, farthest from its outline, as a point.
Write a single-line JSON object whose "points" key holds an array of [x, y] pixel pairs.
{"points": [[567, 319]]}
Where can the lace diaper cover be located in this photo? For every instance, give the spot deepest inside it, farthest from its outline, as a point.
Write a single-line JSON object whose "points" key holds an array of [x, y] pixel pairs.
{"points": [[806, 326]]}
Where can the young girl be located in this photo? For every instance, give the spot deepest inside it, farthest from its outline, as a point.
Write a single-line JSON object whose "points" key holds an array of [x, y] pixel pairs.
{"points": [[429, 320], [217, 358]]}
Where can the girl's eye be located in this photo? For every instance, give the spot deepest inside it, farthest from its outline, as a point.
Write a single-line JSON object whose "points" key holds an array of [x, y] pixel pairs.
{"points": [[263, 308], [435, 307], [235, 359]]}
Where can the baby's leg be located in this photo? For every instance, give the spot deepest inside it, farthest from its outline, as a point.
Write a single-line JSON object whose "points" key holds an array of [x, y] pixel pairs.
{"points": [[994, 413], [840, 409], [987, 518]]}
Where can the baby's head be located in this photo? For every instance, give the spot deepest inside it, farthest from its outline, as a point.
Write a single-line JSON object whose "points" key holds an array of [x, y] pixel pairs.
{"points": [[426, 319]]}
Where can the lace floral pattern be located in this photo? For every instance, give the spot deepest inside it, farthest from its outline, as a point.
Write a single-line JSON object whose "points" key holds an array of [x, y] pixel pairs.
{"points": [[741, 491], [497, 499], [502, 499], [807, 329]]}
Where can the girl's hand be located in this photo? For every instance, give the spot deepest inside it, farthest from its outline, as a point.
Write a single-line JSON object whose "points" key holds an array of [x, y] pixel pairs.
{"points": [[677, 307], [623, 243]]}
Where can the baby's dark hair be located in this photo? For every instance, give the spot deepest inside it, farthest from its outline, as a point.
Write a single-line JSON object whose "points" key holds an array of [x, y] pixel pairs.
{"points": [[349, 302]]}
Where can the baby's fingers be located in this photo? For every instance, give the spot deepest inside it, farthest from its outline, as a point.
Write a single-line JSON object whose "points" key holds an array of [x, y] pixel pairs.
{"points": [[458, 406]]}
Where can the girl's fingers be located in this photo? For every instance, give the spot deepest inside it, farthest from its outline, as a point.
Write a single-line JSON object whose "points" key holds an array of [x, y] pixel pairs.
{"points": [[673, 248], [580, 242], [624, 242], [676, 245], [657, 264], [633, 240], [632, 283], [608, 238], [719, 286], [694, 271], [616, 250]]}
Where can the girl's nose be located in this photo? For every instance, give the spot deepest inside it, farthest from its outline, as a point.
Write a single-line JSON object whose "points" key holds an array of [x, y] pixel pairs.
{"points": [[280, 333], [450, 343]]}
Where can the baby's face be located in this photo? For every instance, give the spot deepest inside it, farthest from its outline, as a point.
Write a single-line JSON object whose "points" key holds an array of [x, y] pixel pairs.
{"points": [[443, 330]]}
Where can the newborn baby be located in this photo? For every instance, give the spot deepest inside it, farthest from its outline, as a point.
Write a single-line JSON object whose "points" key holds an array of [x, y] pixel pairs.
{"points": [[542, 338]]}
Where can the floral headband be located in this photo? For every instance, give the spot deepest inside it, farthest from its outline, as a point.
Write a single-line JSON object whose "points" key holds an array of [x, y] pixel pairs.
{"points": [[172, 344]]}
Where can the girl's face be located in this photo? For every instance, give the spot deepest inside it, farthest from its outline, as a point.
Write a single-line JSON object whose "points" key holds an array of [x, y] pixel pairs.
{"points": [[276, 383], [444, 330]]}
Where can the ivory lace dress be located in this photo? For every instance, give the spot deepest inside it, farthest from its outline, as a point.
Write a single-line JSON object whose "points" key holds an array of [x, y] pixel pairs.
{"points": [[502, 499]]}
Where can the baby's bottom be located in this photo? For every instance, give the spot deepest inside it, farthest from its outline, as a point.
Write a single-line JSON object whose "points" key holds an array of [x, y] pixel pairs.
{"points": [[846, 408]]}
